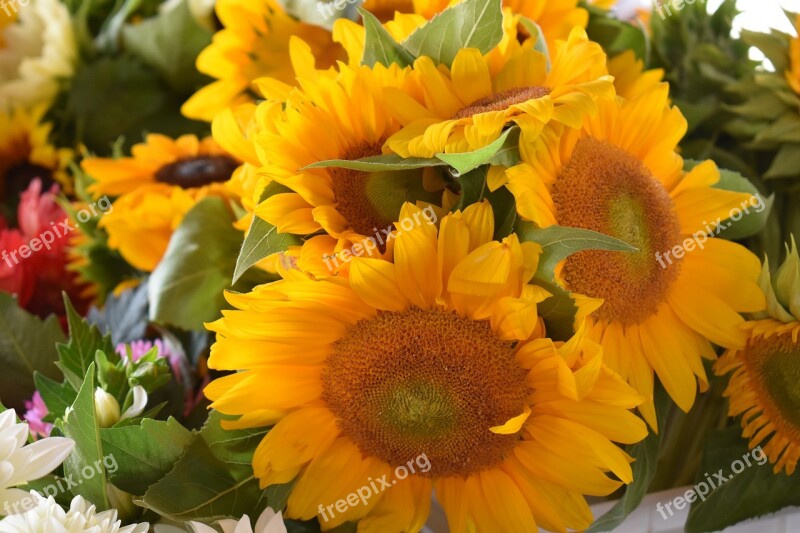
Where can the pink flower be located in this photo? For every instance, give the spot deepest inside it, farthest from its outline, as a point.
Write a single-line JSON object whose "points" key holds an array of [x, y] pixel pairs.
{"points": [[37, 410], [14, 277], [38, 211]]}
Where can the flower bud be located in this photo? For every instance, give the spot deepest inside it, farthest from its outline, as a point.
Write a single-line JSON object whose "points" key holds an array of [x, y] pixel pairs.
{"points": [[106, 408]]}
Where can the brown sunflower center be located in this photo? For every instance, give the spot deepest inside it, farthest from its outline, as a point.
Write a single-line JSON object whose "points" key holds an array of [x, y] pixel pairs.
{"points": [[18, 177], [774, 369], [605, 189], [501, 101], [351, 191], [197, 171], [426, 382]]}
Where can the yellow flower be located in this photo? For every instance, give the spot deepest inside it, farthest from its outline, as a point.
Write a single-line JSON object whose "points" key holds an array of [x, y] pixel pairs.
{"points": [[763, 386], [350, 108], [37, 50], [630, 78], [253, 44], [467, 108], [438, 356], [156, 187], [619, 175], [26, 153]]}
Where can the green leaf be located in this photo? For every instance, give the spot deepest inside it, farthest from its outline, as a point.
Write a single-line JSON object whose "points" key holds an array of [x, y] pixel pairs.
{"points": [[170, 43], [473, 188], [379, 163], [559, 242], [508, 155], [27, 346], [261, 241], [469, 161], [77, 355], [213, 479], [645, 454], [81, 426], [468, 24], [753, 492], [144, 453], [786, 163], [56, 396], [379, 46], [186, 289]]}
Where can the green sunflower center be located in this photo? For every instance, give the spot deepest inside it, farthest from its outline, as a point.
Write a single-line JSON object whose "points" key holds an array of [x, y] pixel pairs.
{"points": [[774, 365], [501, 101], [352, 191], [197, 172], [428, 382], [605, 189]]}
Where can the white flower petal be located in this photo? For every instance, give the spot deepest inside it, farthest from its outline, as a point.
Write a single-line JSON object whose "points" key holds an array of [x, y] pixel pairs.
{"points": [[139, 403], [40, 458]]}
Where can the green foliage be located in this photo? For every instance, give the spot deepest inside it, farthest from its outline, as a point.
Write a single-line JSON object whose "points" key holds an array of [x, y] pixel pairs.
{"points": [[469, 161], [754, 492], [469, 24], [213, 479], [27, 346], [381, 47], [186, 289]]}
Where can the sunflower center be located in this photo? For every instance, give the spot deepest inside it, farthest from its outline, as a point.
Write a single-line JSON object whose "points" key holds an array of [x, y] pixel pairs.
{"points": [[605, 189], [774, 364], [350, 190], [501, 101], [426, 381], [17, 179], [196, 172]]}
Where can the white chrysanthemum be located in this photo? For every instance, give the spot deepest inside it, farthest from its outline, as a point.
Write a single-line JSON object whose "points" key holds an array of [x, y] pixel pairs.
{"points": [[268, 522], [20, 464], [82, 517], [36, 52]]}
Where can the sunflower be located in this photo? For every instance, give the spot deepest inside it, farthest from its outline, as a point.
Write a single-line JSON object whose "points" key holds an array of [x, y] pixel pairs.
{"points": [[26, 153], [763, 387], [630, 77], [37, 50], [347, 205], [619, 175], [439, 354], [155, 188], [253, 44], [468, 107]]}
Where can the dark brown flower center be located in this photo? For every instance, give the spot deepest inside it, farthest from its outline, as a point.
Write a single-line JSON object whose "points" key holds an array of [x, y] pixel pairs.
{"points": [[19, 177], [605, 189], [197, 171], [501, 101], [426, 382]]}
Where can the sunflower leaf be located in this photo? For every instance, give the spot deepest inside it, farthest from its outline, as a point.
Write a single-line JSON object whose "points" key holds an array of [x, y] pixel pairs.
{"points": [[559, 242], [379, 46], [468, 161], [27, 346], [144, 453], [558, 311], [80, 424], [379, 163], [753, 492], [186, 289], [536, 32], [468, 24], [213, 479]]}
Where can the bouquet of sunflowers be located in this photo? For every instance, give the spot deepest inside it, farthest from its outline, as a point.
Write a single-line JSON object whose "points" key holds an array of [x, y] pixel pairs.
{"points": [[396, 266]]}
